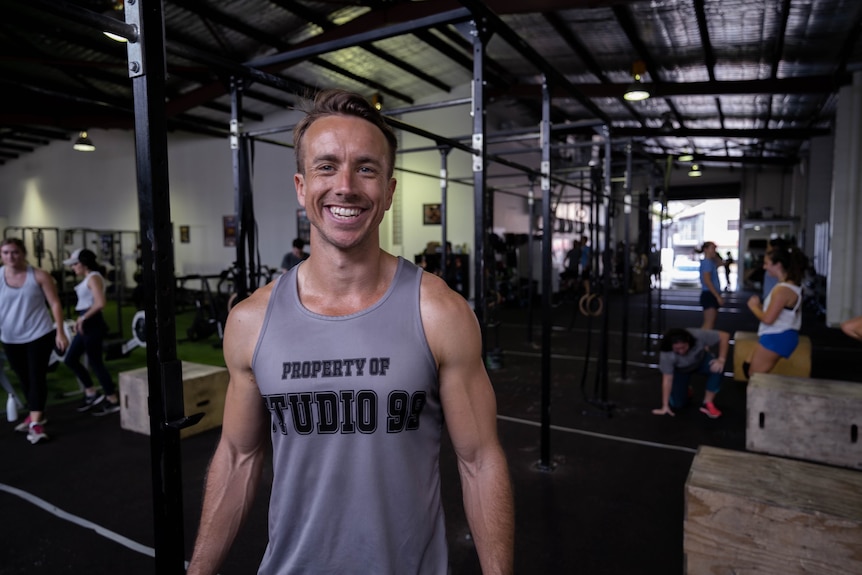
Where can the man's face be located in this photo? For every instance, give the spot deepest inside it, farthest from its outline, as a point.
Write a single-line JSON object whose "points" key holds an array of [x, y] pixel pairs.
{"points": [[680, 347], [11, 255], [345, 188]]}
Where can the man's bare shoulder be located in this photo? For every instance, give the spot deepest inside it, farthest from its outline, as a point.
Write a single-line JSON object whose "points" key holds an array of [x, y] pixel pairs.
{"points": [[447, 316], [437, 295], [250, 312]]}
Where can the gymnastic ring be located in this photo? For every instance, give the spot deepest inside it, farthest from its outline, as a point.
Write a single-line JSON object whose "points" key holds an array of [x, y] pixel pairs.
{"points": [[586, 302]]}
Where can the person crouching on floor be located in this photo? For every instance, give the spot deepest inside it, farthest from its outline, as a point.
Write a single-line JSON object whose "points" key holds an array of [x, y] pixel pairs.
{"points": [[684, 352]]}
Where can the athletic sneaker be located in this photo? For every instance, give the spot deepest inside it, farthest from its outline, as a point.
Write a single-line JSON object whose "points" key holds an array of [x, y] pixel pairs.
{"points": [[36, 434], [90, 401], [709, 409], [24, 426], [107, 407]]}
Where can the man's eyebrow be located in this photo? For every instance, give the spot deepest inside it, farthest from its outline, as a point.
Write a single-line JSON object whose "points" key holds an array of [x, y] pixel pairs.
{"points": [[324, 158], [364, 159]]}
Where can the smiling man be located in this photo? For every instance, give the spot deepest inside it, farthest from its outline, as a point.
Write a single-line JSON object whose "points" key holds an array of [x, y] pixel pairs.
{"points": [[350, 364]]}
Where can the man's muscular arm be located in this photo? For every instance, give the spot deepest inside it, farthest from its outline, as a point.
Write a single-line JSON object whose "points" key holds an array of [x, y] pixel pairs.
{"points": [[470, 411], [235, 469]]}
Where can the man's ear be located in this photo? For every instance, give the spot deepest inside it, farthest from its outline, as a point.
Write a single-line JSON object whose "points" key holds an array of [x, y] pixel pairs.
{"points": [[390, 191], [299, 184]]}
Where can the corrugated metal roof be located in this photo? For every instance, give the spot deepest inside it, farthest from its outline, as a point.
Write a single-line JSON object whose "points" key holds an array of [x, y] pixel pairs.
{"points": [[721, 71]]}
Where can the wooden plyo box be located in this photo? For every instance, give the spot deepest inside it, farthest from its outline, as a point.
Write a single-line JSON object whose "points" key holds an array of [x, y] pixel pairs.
{"points": [[204, 388], [751, 513], [798, 364], [812, 419]]}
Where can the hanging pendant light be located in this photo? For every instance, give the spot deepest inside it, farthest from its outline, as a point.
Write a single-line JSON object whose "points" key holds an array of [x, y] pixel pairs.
{"points": [[636, 90], [695, 171], [84, 143]]}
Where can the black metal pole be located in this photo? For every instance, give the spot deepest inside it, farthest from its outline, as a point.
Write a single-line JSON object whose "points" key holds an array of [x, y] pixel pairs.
{"points": [[647, 331], [444, 208], [547, 232], [531, 203], [627, 209], [480, 233], [147, 69], [606, 271], [238, 156]]}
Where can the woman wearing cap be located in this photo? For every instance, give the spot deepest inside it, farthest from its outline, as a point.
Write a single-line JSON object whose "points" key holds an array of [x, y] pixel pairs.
{"points": [[90, 331], [27, 330], [710, 293]]}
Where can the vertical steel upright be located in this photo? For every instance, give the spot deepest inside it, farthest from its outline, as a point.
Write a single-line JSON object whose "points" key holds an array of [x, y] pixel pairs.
{"points": [[547, 233], [627, 210], [147, 69], [243, 282], [444, 208], [531, 203], [480, 222], [606, 270]]}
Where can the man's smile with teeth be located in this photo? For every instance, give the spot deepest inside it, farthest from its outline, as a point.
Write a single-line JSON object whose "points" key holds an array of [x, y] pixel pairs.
{"points": [[344, 212]]}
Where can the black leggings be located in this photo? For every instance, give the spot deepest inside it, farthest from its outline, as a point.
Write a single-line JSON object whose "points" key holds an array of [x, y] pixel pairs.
{"points": [[90, 342], [29, 361]]}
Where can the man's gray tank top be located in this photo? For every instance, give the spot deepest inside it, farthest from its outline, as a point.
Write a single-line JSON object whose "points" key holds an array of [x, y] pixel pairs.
{"points": [[356, 426]]}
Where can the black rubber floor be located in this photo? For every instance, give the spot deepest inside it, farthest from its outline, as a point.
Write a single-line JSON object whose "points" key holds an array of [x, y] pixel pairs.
{"points": [[603, 495]]}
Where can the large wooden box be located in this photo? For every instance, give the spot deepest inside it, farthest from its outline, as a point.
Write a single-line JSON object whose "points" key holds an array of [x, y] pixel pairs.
{"points": [[752, 513], [812, 419], [798, 364], [204, 388]]}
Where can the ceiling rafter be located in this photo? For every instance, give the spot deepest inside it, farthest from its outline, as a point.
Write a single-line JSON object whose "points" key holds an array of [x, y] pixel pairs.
{"points": [[587, 58], [708, 52], [65, 57], [232, 22], [325, 24], [627, 23], [777, 54], [799, 85]]}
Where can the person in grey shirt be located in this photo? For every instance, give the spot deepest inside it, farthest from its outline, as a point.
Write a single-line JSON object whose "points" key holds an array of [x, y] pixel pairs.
{"points": [[295, 256], [685, 352], [347, 369]]}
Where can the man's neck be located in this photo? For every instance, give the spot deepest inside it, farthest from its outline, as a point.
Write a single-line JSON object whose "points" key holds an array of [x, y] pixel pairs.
{"points": [[335, 282]]}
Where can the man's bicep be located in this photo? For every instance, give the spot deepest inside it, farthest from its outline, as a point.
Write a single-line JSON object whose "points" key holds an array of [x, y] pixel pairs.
{"points": [[244, 412], [244, 421], [469, 402]]}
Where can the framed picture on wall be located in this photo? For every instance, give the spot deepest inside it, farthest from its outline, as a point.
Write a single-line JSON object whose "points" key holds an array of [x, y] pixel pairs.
{"points": [[184, 234], [431, 214]]}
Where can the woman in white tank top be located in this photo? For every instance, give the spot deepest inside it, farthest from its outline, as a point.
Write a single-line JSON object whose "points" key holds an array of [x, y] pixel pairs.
{"points": [[781, 314], [90, 332], [27, 330]]}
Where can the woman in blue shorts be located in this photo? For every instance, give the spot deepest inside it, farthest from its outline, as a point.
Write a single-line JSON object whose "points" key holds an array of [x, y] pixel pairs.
{"points": [[710, 288], [780, 314]]}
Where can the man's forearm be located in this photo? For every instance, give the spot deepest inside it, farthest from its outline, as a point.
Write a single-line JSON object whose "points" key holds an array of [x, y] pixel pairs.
{"points": [[230, 491], [490, 512]]}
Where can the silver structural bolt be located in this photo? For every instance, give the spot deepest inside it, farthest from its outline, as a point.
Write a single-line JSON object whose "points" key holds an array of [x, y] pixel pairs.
{"points": [[134, 67]]}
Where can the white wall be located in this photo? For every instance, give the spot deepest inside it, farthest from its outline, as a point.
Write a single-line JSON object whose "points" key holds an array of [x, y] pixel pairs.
{"points": [[844, 281], [416, 190], [58, 187]]}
